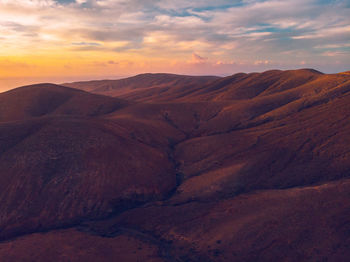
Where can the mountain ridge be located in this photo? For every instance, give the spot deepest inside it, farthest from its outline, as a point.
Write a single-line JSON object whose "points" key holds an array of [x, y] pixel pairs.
{"points": [[236, 169]]}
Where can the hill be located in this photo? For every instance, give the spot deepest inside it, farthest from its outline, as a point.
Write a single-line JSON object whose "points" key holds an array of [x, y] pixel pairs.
{"points": [[250, 167], [49, 99], [142, 82]]}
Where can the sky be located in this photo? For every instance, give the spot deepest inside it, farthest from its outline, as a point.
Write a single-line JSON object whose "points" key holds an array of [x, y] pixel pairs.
{"points": [[69, 40]]}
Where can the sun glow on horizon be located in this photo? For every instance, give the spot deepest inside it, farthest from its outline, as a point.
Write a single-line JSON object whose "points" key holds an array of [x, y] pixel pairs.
{"points": [[103, 38]]}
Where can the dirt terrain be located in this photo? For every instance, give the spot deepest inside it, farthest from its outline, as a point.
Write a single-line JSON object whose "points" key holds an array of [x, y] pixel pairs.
{"points": [[161, 167]]}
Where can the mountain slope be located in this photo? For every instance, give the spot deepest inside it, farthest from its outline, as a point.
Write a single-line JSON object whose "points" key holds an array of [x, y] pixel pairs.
{"points": [[163, 87], [50, 99], [246, 86], [253, 167], [140, 82], [58, 171]]}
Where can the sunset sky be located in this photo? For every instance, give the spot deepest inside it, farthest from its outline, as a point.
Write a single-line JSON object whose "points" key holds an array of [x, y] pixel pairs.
{"points": [[67, 40]]}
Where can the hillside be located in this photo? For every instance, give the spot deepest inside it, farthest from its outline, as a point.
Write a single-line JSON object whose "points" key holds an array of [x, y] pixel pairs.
{"points": [[250, 167], [49, 99], [144, 82]]}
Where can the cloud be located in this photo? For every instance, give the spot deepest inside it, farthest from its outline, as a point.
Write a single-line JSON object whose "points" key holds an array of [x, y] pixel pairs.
{"points": [[197, 59], [87, 44], [111, 62], [334, 53], [262, 62], [286, 31]]}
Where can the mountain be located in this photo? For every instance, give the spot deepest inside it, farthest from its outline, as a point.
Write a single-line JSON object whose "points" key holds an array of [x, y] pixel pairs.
{"points": [[49, 99], [250, 167], [144, 82], [163, 88]]}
